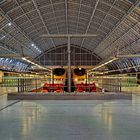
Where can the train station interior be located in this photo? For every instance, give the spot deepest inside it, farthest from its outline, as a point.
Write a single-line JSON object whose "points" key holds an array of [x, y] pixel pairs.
{"points": [[69, 69]]}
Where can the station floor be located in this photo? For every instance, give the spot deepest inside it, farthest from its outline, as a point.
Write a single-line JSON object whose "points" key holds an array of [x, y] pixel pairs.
{"points": [[70, 120]]}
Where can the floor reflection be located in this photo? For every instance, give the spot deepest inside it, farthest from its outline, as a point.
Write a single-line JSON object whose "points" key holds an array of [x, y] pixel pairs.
{"points": [[31, 113], [71, 120]]}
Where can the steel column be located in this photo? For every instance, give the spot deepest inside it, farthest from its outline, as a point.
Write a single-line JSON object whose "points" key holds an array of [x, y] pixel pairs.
{"points": [[69, 36], [69, 65]]}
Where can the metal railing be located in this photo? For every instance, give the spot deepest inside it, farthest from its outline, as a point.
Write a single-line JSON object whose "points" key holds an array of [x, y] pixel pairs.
{"points": [[96, 84]]}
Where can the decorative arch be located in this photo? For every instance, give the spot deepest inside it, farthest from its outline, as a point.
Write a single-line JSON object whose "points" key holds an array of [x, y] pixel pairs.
{"points": [[57, 56]]}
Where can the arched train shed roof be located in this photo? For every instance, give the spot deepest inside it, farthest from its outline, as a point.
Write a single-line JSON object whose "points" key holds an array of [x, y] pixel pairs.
{"points": [[115, 22]]}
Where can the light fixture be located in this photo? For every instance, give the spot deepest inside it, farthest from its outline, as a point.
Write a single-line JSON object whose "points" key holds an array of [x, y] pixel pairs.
{"points": [[9, 24], [33, 63], [32, 45], [103, 64], [35, 47], [122, 69], [2, 37], [76, 79]]}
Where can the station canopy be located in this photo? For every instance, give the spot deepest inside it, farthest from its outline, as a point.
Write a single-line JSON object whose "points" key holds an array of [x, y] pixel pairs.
{"points": [[115, 24]]}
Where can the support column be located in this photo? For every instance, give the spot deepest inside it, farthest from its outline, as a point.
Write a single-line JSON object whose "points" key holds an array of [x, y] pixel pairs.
{"points": [[87, 82], [69, 65], [52, 78]]}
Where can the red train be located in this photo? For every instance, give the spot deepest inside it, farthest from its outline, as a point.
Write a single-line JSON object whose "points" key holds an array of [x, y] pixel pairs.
{"points": [[78, 81], [81, 81], [57, 81]]}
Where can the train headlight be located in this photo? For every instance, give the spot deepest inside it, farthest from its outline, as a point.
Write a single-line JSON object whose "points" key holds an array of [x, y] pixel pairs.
{"points": [[76, 79]]}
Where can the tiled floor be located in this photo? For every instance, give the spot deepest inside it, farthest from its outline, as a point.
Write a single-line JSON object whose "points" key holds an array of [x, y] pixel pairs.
{"points": [[70, 120]]}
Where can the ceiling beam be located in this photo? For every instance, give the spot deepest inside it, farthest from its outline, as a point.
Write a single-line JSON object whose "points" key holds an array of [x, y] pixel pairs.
{"points": [[17, 27], [10, 56], [120, 22], [7, 48], [66, 7], [77, 25], [129, 56], [104, 63], [120, 37], [40, 15], [93, 12], [112, 59], [68, 35]]}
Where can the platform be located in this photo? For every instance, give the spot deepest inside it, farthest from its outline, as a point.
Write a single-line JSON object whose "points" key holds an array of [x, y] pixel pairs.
{"points": [[68, 96]]}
